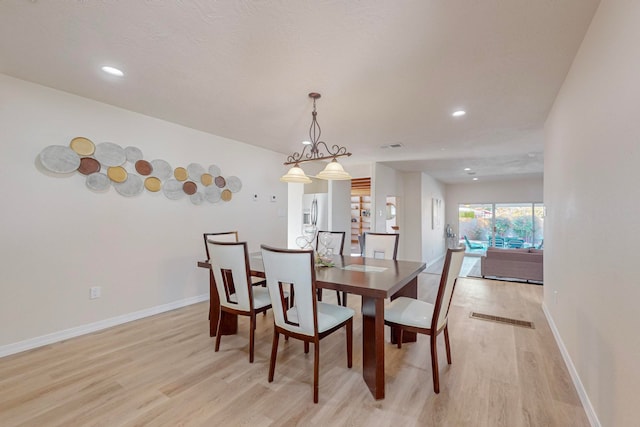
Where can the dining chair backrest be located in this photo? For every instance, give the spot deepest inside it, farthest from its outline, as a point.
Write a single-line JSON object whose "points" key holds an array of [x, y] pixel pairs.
{"points": [[225, 236], [230, 266], [294, 268], [380, 245], [336, 241], [450, 273]]}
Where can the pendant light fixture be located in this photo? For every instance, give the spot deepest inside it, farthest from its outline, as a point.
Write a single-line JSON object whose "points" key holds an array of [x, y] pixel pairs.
{"points": [[318, 151]]}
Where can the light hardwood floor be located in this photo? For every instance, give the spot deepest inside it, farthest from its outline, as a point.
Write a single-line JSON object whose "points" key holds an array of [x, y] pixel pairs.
{"points": [[163, 371]]}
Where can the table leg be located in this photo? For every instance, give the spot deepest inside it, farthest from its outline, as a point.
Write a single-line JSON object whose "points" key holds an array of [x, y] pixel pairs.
{"points": [[229, 324], [410, 291], [373, 345]]}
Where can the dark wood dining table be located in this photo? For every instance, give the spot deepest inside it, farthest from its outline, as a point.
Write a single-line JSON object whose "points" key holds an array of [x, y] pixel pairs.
{"points": [[372, 279]]}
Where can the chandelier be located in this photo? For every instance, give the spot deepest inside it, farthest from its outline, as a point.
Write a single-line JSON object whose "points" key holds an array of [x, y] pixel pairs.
{"points": [[318, 151]]}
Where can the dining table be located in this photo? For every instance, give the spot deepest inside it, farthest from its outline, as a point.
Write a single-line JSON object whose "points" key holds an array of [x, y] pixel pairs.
{"points": [[373, 279]]}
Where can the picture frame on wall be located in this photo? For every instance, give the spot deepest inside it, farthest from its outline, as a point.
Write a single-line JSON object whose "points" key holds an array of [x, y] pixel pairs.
{"points": [[436, 216]]}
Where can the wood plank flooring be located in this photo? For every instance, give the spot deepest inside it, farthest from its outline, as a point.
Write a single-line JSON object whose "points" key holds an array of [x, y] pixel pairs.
{"points": [[163, 371]]}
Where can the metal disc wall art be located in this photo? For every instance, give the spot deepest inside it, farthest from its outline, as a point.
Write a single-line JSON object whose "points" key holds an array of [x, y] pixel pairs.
{"points": [[98, 182], [110, 154], [161, 169], [88, 165], [133, 154], [59, 159], [132, 186], [107, 165]]}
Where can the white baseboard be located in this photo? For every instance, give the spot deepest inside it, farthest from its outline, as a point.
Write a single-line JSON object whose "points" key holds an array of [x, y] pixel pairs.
{"points": [[434, 261], [586, 403], [40, 341]]}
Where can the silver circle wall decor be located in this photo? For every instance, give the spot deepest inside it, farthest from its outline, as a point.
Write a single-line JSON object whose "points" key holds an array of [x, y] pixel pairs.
{"points": [[107, 164]]}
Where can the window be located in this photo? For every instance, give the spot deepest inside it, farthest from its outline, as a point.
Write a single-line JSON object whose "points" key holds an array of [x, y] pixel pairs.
{"points": [[504, 225]]}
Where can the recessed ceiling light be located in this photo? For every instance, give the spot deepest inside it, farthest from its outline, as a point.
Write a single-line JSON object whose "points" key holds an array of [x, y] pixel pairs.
{"points": [[475, 179], [467, 169], [459, 113], [113, 71], [306, 142]]}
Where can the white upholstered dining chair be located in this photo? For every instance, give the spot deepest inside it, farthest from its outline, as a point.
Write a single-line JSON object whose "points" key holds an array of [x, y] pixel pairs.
{"points": [[230, 268], [377, 245], [228, 236], [224, 236], [308, 319], [413, 315], [333, 240], [380, 245]]}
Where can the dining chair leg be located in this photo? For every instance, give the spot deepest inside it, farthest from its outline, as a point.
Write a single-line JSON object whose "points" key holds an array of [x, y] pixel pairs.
{"points": [[252, 328], [399, 336], [218, 334], [306, 347], [316, 368], [338, 297], [319, 291], [274, 352], [446, 343], [434, 364], [344, 299], [350, 343]]}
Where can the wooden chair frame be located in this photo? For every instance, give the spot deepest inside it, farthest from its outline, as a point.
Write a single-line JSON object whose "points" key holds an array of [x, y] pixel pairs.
{"points": [[433, 331], [307, 339], [229, 287], [223, 233]]}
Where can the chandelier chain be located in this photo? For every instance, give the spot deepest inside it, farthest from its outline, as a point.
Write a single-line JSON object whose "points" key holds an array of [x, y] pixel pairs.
{"points": [[316, 147]]}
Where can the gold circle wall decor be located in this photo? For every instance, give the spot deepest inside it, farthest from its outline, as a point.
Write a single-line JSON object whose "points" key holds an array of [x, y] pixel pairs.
{"points": [[117, 174], [153, 184], [206, 179], [226, 195], [180, 174], [83, 146]]}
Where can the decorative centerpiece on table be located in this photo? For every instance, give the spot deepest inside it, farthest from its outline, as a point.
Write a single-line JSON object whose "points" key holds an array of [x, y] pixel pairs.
{"points": [[324, 255]]}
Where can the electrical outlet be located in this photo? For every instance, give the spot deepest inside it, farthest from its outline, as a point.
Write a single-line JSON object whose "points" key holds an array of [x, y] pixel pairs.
{"points": [[95, 292]]}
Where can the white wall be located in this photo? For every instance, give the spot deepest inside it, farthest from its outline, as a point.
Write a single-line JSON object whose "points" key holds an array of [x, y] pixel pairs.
{"points": [[340, 210], [385, 181], [434, 244], [592, 177], [59, 238], [414, 192], [410, 220], [511, 191]]}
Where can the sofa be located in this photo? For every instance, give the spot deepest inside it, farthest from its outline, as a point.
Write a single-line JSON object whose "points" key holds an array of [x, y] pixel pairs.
{"points": [[524, 264]]}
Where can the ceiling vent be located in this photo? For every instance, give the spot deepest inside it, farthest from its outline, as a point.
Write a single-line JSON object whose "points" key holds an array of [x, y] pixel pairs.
{"points": [[395, 145]]}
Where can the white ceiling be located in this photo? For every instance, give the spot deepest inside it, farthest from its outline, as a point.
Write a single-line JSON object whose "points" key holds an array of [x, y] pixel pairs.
{"points": [[388, 71]]}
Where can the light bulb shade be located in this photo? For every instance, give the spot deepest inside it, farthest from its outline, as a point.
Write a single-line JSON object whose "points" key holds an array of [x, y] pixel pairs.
{"points": [[296, 174], [334, 171]]}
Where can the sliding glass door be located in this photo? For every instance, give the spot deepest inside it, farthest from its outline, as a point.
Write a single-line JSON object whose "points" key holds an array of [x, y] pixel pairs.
{"points": [[503, 225], [474, 224]]}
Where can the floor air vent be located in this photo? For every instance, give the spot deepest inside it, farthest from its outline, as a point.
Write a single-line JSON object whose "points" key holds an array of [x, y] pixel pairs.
{"points": [[505, 320]]}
